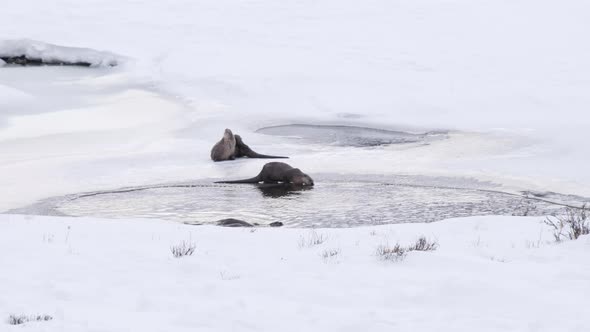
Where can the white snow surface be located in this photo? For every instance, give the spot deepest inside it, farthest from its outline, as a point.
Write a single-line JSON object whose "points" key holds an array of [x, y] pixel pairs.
{"points": [[33, 49], [489, 274], [510, 78]]}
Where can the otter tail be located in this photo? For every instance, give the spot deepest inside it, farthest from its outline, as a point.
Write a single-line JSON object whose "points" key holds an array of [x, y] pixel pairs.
{"points": [[243, 150], [255, 179], [252, 154]]}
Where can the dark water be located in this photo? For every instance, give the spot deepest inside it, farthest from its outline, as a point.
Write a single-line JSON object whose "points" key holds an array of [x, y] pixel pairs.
{"points": [[349, 135], [333, 202]]}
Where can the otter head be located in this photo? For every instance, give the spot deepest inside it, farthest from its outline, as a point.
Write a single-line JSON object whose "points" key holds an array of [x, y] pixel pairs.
{"points": [[299, 178], [228, 135]]}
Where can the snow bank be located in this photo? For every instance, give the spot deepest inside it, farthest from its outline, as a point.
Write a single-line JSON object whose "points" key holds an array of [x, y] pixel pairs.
{"points": [[489, 274], [52, 54]]}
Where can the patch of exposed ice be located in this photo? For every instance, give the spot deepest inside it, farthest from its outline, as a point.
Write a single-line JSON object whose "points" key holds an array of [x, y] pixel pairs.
{"points": [[49, 53], [10, 96]]}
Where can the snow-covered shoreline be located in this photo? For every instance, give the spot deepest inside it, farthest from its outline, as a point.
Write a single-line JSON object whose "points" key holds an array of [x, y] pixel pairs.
{"points": [[42, 52], [488, 274]]}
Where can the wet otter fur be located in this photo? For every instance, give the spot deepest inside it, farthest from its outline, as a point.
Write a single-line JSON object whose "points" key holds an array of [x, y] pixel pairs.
{"points": [[277, 172], [232, 146], [226, 148], [231, 222]]}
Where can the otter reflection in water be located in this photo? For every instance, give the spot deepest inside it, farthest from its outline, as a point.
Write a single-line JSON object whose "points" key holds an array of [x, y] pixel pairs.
{"points": [[276, 190]]}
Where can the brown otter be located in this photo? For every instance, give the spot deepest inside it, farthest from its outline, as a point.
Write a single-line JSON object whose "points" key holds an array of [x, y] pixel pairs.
{"points": [[226, 148], [232, 146], [276, 172], [231, 222]]}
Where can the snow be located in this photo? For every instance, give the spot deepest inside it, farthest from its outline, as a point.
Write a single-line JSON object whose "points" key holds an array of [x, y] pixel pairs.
{"points": [[10, 96], [489, 274], [33, 49], [90, 119], [509, 79]]}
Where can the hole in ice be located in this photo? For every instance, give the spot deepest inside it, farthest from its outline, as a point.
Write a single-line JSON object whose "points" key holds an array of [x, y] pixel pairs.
{"points": [[349, 135], [334, 201]]}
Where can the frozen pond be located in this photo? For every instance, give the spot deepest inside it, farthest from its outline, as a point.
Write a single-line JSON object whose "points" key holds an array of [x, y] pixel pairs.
{"points": [[76, 130], [333, 202]]}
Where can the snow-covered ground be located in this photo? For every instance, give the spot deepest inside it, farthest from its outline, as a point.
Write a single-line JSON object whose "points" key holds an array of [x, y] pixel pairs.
{"points": [[489, 274], [510, 79]]}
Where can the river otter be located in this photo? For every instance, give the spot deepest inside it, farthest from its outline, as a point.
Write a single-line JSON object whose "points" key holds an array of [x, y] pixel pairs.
{"points": [[232, 146], [231, 222], [226, 148], [276, 172]]}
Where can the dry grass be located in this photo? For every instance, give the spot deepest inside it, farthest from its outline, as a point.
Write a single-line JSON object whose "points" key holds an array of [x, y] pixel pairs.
{"points": [[21, 319], [422, 244], [397, 252], [330, 254], [313, 239], [571, 225], [183, 249]]}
